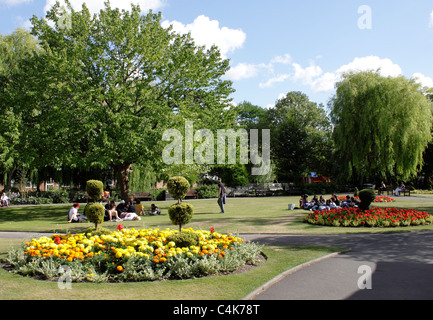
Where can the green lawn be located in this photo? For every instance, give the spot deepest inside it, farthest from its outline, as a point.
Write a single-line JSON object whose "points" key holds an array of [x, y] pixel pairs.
{"points": [[243, 215]]}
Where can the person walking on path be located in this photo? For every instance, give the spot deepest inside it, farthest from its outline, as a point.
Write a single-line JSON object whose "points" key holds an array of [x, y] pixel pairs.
{"points": [[221, 195]]}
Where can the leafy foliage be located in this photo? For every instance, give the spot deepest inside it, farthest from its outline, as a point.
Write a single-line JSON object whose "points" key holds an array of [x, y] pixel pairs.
{"points": [[181, 213], [382, 125], [178, 187], [184, 239], [95, 213], [103, 90], [94, 189], [300, 137], [367, 196]]}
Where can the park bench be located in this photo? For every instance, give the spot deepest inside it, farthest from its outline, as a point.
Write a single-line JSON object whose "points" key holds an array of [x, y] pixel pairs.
{"points": [[191, 194], [406, 192], [142, 196], [262, 192], [391, 191], [238, 193]]}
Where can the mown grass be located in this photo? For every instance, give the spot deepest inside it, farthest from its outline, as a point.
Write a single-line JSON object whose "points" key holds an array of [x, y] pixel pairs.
{"points": [[243, 215]]}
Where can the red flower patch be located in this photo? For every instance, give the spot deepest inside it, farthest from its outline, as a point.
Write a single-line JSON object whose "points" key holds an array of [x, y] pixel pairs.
{"points": [[375, 217]]}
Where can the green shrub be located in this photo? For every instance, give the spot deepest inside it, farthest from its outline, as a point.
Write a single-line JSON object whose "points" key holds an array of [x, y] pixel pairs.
{"points": [[180, 214], [366, 196], [158, 194], [95, 213], [94, 189], [184, 239], [97, 232], [207, 191], [178, 187]]}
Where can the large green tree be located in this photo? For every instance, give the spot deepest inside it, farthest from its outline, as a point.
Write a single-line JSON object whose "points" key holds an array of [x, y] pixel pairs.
{"points": [[14, 126], [382, 125], [300, 137], [113, 82]]}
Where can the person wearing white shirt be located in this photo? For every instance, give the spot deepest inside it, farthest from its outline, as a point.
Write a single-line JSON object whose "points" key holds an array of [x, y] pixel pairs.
{"points": [[4, 200]]}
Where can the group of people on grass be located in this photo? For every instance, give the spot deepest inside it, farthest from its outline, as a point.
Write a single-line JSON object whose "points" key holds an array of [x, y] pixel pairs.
{"points": [[319, 203], [124, 211]]}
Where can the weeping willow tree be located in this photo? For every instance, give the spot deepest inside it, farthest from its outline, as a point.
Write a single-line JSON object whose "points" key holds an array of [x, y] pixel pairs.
{"points": [[141, 178], [381, 125]]}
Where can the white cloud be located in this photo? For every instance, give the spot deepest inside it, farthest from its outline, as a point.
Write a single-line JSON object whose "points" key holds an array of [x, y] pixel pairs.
{"points": [[306, 75], [386, 66], [430, 24], [423, 80], [96, 5], [285, 59], [324, 82], [250, 70], [271, 81], [242, 71], [206, 32]]}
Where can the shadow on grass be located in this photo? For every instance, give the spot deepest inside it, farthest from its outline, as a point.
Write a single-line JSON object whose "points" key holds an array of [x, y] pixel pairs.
{"points": [[56, 214]]}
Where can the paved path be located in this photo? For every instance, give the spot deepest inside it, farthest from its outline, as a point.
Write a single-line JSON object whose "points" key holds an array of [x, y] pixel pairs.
{"points": [[401, 268]]}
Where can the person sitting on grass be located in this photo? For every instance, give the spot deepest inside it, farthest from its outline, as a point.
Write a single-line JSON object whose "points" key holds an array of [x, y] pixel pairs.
{"points": [[121, 207], [139, 208], [128, 216], [111, 212], [154, 210], [74, 216], [346, 203], [303, 200]]}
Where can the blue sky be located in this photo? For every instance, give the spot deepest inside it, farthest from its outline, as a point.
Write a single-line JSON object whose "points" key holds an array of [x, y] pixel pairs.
{"points": [[277, 46]]}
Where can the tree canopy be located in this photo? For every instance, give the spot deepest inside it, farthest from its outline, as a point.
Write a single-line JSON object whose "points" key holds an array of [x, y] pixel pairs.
{"points": [[106, 86], [300, 137], [382, 125]]}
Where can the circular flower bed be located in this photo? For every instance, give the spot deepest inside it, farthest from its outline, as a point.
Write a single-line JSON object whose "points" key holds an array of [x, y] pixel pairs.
{"points": [[375, 217], [131, 255]]}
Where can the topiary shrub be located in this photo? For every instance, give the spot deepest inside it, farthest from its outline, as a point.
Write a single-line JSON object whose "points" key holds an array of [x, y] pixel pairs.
{"points": [[95, 213], [184, 239], [94, 189], [180, 213], [366, 196], [178, 187]]}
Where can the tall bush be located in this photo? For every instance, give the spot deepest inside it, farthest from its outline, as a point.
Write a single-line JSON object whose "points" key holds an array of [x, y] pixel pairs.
{"points": [[178, 187], [179, 213], [367, 196], [95, 211], [94, 189]]}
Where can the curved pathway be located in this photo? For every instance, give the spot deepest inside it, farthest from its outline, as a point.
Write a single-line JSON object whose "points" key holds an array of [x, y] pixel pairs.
{"points": [[401, 266]]}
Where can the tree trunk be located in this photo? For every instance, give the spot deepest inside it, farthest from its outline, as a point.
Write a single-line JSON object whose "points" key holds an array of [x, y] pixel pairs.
{"points": [[122, 171], [10, 174]]}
